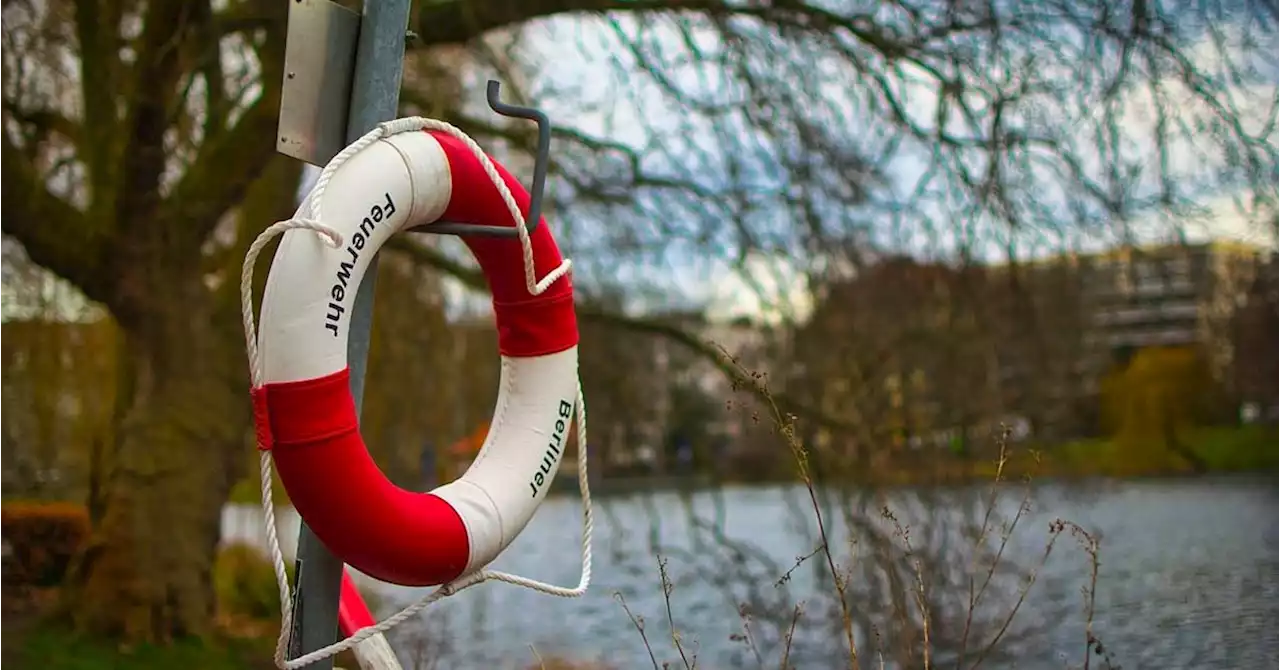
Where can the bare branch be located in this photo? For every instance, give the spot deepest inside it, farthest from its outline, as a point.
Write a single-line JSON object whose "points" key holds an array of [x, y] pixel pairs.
{"points": [[54, 234], [226, 165], [459, 22], [168, 28], [231, 159], [97, 26], [45, 121]]}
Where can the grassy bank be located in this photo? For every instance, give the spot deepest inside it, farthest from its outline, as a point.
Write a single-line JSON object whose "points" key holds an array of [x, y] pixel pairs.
{"points": [[36, 633], [50, 648], [1221, 449], [35, 637]]}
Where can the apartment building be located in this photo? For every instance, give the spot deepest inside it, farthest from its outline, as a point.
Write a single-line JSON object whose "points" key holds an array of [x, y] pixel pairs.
{"points": [[1126, 300], [1171, 295], [1029, 343]]}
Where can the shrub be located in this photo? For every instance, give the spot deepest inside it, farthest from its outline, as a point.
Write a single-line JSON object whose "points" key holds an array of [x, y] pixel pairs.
{"points": [[40, 541], [245, 583], [1163, 392]]}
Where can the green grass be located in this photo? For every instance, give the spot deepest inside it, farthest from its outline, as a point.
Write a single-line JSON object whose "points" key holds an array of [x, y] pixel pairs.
{"points": [[1221, 448], [243, 637], [51, 649], [1243, 448]]}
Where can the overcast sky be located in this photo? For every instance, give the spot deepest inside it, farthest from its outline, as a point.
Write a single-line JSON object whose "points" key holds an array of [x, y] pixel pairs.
{"points": [[582, 56]]}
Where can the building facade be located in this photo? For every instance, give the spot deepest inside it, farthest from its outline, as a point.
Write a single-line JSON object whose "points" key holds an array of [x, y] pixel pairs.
{"points": [[1076, 318], [936, 351], [1171, 295]]}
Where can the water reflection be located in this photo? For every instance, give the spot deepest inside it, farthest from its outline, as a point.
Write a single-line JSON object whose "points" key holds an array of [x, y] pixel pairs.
{"points": [[1188, 577]]}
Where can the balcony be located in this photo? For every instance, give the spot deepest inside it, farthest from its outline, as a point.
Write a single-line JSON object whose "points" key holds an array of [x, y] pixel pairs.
{"points": [[1158, 286], [1149, 338], [1154, 312]]}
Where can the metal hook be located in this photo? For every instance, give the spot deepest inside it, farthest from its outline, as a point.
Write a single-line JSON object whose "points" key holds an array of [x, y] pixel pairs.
{"points": [[534, 215]]}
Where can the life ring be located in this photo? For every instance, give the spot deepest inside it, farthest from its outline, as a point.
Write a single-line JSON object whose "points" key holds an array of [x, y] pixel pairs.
{"points": [[304, 409]]}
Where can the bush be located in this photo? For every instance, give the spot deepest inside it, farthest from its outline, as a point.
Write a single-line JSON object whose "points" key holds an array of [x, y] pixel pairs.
{"points": [[40, 541], [1163, 392], [245, 583]]}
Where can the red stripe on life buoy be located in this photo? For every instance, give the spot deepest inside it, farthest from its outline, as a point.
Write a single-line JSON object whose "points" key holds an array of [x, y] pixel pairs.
{"points": [[353, 613], [415, 539], [527, 325]]}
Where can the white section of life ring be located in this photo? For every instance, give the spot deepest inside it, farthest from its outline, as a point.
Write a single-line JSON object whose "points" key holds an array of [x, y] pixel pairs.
{"points": [[394, 184], [388, 186], [499, 493]]}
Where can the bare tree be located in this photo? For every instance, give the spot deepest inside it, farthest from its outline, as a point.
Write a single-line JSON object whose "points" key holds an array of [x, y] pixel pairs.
{"points": [[131, 131]]}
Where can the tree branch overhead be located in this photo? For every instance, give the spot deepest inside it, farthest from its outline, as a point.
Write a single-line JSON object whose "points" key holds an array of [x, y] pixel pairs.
{"points": [[56, 235], [167, 29]]}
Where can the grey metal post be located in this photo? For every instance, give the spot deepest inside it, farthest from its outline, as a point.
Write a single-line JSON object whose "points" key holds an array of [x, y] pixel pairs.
{"points": [[375, 97]]}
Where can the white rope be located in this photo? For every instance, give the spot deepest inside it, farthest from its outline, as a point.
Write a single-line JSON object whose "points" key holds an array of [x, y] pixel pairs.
{"points": [[306, 219]]}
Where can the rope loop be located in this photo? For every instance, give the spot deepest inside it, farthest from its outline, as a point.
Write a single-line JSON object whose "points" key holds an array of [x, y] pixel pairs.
{"points": [[307, 218]]}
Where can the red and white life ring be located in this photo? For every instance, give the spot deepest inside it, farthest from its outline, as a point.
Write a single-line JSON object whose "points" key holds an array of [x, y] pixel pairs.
{"points": [[304, 408]]}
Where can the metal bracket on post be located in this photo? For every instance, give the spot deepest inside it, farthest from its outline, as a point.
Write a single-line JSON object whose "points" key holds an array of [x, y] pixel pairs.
{"points": [[319, 64], [342, 77], [541, 162]]}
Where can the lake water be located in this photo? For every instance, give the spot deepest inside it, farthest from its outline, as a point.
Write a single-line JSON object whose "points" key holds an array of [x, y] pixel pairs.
{"points": [[1187, 578]]}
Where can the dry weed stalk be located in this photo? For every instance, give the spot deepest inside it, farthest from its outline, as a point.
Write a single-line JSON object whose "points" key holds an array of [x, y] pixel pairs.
{"points": [[1092, 644], [904, 533], [744, 614], [667, 588], [785, 426], [638, 622], [791, 633], [975, 596]]}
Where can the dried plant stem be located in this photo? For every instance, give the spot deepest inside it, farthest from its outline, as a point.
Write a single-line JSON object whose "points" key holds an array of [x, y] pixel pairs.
{"points": [[800, 560], [745, 615], [1090, 545], [785, 425], [1024, 506], [541, 663], [667, 587], [787, 428], [639, 624], [791, 633], [918, 570], [976, 594], [1055, 530]]}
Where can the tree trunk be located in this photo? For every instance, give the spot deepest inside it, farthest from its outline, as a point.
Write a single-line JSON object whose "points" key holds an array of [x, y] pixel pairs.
{"points": [[147, 575]]}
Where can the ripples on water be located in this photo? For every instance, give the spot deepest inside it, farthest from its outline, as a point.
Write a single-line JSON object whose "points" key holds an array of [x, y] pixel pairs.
{"points": [[1188, 579]]}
